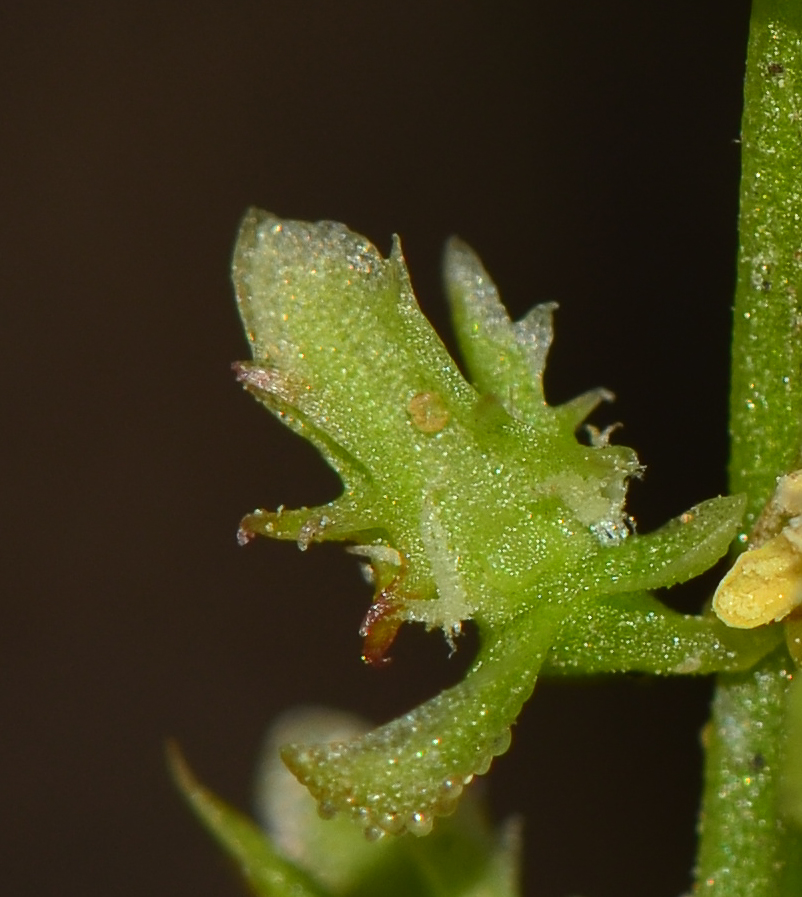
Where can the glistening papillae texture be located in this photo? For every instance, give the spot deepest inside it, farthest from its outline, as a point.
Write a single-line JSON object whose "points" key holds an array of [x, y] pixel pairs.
{"points": [[468, 500], [419, 764]]}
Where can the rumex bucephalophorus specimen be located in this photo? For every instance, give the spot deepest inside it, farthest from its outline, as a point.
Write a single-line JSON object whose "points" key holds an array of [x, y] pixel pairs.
{"points": [[469, 500]]}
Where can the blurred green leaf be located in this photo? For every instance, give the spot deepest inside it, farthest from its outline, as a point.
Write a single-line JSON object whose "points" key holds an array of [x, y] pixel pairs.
{"points": [[266, 871]]}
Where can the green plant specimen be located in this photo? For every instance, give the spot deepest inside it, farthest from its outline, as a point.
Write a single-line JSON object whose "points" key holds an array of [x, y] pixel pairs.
{"points": [[473, 499], [747, 846]]}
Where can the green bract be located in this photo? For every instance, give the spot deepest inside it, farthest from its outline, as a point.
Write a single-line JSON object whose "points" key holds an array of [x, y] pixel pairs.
{"points": [[468, 500]]}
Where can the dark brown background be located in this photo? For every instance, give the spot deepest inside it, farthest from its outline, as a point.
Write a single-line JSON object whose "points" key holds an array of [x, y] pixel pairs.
{"points": [[586, 149]]}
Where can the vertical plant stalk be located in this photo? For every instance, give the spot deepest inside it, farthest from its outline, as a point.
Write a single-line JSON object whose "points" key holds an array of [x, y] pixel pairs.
{"points": [[747, 849], [766, 399]]}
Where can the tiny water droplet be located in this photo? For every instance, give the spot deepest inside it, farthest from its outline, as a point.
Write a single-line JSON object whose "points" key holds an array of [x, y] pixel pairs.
{"points": [[420, 824], [326, 810]]}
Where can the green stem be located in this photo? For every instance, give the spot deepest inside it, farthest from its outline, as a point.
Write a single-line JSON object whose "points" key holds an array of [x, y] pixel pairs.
{"points": [[766, 399], [746, 848]]}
